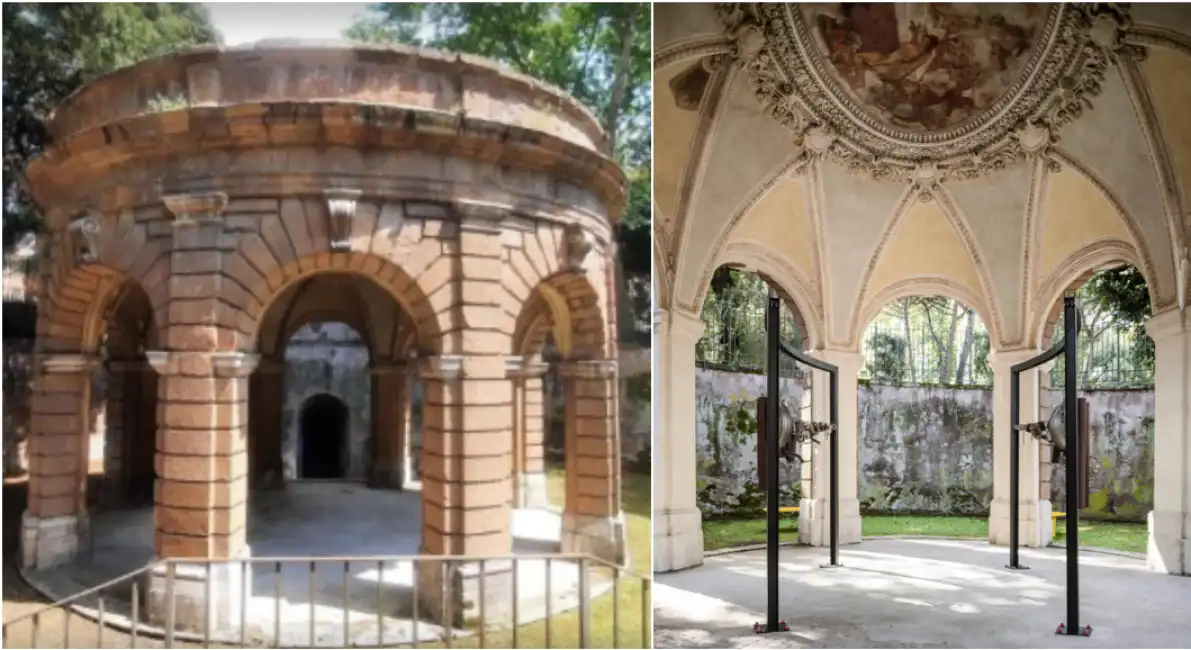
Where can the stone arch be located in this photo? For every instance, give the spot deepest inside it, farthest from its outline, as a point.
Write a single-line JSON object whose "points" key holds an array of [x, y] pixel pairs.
{"points": [[784, 277], [1071, 274], [927, 286], [568, 305], [367, 267]]}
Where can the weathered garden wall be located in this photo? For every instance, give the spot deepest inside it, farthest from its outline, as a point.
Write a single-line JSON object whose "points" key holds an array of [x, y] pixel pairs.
{"points": [[926, 449], [726, 405]]}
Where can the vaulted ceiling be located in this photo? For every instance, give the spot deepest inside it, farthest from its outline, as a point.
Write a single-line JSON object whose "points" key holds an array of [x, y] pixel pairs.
{"points": [[855, 154]]}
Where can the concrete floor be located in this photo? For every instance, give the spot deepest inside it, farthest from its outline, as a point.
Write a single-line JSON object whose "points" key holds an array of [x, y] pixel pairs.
{"points": [[921, 593], [327, 519]]}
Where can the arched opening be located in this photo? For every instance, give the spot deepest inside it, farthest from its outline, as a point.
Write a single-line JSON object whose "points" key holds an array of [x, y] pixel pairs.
{"points": [[1115, 376], [322, 430], [926, 414], [730, 376]]}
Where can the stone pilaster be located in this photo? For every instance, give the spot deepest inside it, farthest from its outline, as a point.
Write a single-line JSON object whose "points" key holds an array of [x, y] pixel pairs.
{"points": [[592, 522], [1033, 530], [390, 403], [1169, 548], [202, 486], [677, 522], [529, 469], [814, 517], [267, 387], [55, 523]]}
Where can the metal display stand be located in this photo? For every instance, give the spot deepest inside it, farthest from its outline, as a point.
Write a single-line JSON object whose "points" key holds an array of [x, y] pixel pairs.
{"points": [[1073, 444], [772, 427]]}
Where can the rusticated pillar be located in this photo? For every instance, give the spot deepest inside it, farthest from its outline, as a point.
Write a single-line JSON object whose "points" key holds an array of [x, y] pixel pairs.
{"points": [[593, 522], [529, 465], [390, 404], [1033, 521], [56, 520]]}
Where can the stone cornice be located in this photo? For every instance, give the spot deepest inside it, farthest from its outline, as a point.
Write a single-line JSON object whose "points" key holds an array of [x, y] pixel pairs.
{"points": [[148, 142], [194, 207], [67, 363]]}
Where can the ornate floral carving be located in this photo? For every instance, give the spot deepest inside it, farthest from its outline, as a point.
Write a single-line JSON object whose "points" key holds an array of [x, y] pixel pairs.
{"points": [[84, 235], [795, 85]]}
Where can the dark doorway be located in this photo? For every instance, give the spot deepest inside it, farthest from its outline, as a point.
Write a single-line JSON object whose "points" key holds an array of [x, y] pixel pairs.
{"points": [[322, 426]]}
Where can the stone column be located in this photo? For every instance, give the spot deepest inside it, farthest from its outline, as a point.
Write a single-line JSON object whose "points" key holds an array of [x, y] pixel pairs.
{"points": [[267, 387], [529, 463], [677, 522], [814, 516], [55, 523], [202, 484], [593, 522], [1032, 528], [1169, 549], [390, 403]]}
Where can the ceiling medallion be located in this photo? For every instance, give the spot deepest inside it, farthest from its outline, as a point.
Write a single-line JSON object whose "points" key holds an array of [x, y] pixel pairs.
{"points": [[926, 92]]}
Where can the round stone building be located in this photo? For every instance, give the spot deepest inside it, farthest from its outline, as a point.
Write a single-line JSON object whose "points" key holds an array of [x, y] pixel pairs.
{"points": [[203, 207]]}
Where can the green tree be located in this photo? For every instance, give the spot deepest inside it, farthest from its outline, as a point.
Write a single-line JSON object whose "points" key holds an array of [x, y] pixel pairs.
{"points": [[52, 49], [599, 53]]}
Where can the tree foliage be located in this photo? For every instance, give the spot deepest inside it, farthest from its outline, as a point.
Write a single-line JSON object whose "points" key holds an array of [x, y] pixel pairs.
{"points": [[599, 53], [52, 49]]}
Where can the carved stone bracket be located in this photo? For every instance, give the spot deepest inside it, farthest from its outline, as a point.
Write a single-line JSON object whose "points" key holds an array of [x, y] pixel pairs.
{"points": [[447, 367], [84, 236], [191, 209], [55, 364], [589, 369], [796, 85], [579, 243], [341, 209]]}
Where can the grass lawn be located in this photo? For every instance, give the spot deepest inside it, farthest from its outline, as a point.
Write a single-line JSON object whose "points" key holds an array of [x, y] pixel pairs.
{"points": [[728, 533], [1122, 536], [564, 627]]}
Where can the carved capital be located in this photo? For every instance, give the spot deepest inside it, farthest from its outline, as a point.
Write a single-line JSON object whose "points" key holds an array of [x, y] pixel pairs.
{"points": [[341, 209], [58, 364], [222, 364], [193, 208], [84, 236], [579, 243], [521, 367], [441, 368], [589, 369]]}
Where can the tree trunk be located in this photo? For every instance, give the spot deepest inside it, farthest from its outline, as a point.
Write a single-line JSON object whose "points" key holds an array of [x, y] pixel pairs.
{"points": [[620, 79], [966, 350], [909, 341]]}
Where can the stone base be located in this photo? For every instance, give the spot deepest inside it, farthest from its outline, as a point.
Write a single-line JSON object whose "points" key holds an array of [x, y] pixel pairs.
{"points": [[1030, 531], [192, 610], [531, 489], [814, 522], [1168, 551], [51, 542], [450, 593], [677, 539], [1046, 523], [602, 537]]}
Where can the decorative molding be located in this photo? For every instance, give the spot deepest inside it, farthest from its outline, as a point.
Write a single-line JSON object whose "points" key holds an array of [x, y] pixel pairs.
{"points": [[598, 369], [480, 216], [341, 209], [517, 366], [699, 46], [1146, 36], [447, 367], [234, 364], [1182, 277], [84, 236], [57, 364], [389, 368], [796, 87], [197, 207], [578, 245]]}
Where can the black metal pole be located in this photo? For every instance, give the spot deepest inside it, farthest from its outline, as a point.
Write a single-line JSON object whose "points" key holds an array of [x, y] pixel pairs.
{"points": [[1071, 418], [773, 331], [1014, 468], [834, 409]]}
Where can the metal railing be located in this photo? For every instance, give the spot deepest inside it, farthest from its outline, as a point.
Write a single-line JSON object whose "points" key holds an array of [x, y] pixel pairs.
{"points": [[510, 601]]}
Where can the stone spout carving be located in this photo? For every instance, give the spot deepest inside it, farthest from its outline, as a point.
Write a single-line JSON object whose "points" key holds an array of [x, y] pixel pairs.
{"points": [[579, 243], [84, 234], [341, 209]]}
